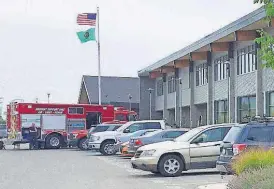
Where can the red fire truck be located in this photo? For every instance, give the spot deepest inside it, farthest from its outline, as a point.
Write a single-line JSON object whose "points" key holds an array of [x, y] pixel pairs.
{"points": [[55, 121], [78, 138]]}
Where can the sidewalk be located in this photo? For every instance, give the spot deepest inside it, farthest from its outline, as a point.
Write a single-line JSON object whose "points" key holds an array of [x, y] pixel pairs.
{"points": [[214, 186]]}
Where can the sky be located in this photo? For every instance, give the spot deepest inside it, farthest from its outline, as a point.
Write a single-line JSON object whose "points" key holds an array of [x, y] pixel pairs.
{"points": [[40, 52]]}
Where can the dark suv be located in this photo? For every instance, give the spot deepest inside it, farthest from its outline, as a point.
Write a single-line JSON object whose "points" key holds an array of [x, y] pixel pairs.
{"points": [[259, 133]]}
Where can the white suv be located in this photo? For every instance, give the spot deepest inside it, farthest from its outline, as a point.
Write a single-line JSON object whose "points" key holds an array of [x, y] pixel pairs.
{"points": [[104, 141], [199, 148]]}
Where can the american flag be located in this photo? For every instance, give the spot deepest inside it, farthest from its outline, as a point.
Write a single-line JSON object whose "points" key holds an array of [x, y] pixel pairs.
{"points": [[86, 19]]}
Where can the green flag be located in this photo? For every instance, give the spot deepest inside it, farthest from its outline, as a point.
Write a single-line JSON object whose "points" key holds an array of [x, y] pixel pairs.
{"points": [[86, 36]]}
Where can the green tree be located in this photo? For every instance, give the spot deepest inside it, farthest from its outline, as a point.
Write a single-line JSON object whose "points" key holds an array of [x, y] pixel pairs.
{"points": [[266, 41]]}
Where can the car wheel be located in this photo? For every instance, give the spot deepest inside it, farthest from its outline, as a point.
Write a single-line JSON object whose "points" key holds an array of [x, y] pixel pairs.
{"points": [[107, 148], [83, 144], [53, 141], [171, 166]]}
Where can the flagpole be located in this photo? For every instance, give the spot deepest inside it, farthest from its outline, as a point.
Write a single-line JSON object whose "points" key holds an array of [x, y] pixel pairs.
{"points": [[99, 58]]}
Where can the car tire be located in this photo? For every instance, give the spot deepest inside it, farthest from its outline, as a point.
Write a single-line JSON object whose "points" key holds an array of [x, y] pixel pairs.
{"points": [[171, 166], [107, 148], [53, 141], [81, 144]]}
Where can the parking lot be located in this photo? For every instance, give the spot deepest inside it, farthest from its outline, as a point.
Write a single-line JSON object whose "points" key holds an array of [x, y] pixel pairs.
{"points": [[70, 169]]}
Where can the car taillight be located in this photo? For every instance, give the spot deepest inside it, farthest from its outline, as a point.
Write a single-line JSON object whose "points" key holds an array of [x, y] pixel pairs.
{"points": [[138, 142], [238, 148]]}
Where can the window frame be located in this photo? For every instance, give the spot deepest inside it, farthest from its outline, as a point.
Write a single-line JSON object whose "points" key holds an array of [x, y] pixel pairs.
{"points": [[160, 87], [249, 109], [246, 60], [217, 111], [270, 106], [171, 84], [220, 68], [76, 110], [192, 141], [201, 74]]}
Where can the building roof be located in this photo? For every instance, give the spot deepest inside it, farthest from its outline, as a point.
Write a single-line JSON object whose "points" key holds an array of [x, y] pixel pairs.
{"points": [[245, 21], [114, 89]]}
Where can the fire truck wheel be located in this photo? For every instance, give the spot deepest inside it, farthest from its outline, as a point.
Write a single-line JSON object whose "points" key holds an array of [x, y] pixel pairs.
{"points": [[83, 144], [107, 148], [53, 141]]}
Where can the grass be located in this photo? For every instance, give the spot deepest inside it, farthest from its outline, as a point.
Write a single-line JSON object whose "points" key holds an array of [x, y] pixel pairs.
{"points": [[257, 179], [255, 159]]}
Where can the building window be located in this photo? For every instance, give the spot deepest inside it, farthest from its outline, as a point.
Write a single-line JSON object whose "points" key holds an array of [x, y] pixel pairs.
{"points": [[220, 68], [201, 74], [271, 104], [171, 84], [160, 88], [246, 59], [76, 111], [247, 108], [221, 111]]}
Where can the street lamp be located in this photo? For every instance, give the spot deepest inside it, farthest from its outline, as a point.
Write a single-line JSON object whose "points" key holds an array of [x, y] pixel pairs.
{"points": [[129, 98], [48, 96], [150, 91]]}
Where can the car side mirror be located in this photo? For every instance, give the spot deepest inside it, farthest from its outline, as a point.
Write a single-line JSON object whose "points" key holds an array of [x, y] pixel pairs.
{"points": [[126, 131]]}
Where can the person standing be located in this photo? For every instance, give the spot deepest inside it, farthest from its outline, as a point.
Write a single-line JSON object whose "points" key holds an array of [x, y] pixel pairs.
{"points": [[33, 135]]}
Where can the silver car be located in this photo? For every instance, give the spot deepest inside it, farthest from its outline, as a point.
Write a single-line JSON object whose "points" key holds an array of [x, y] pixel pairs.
{"points": [[154, 137]]}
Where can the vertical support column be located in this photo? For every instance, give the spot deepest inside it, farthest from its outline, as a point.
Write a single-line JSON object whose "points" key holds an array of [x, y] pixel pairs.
{"points": [[232, 79], [210, 99], [177, 93], [193, 114], [259, 85], [165, 111]]}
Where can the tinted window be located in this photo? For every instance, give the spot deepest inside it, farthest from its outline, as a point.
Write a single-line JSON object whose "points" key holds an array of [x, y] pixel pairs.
{"points": [[213, 135], [100, 128], [233, 134], [152, 125], [259, 134], [135, 127], [173, 134], [116, 127], [121, 117], [76, 111]]}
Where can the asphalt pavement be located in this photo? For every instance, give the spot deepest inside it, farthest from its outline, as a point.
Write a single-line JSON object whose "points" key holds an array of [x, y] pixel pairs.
{"points": [[70, 169]]}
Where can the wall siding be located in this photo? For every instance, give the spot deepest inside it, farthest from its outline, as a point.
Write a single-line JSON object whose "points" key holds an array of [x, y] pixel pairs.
{"points": [[159, 103], [268, 79], [184, 75], [220, 89], [185, 99], [246, 84], [170, 100]]}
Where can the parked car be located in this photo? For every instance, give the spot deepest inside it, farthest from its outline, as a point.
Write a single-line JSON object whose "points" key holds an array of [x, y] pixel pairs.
{"points": [[83, 142], [199, 148], [125, 137], [104, 142], [3, 131], [242, 137], [154, 137]]}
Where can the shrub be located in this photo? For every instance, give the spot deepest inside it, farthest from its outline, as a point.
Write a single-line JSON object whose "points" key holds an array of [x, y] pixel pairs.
{"points": [[256, 179], [253, 160]]}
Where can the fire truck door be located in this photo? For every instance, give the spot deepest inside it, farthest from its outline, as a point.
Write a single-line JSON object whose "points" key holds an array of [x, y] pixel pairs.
{"points": [[93, 119]]}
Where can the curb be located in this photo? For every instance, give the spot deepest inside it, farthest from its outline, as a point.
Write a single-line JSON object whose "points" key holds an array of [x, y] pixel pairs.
{"points": [[214, 186]]}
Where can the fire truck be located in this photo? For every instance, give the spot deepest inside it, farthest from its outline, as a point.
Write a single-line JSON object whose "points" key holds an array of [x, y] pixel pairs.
{"points": [[78, 138], [54, 122]]}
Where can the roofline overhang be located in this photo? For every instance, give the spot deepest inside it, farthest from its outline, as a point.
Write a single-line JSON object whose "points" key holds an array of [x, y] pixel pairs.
{"points": [[83, 83], [231, 28]]}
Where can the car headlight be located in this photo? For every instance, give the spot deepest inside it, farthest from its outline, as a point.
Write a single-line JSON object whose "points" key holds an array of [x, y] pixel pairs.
{"points": [[96, 138], [148, 153]]}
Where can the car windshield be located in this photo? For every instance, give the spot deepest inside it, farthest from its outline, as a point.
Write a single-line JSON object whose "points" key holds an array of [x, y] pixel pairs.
{"points": [[233, 134], [189, 135]]}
